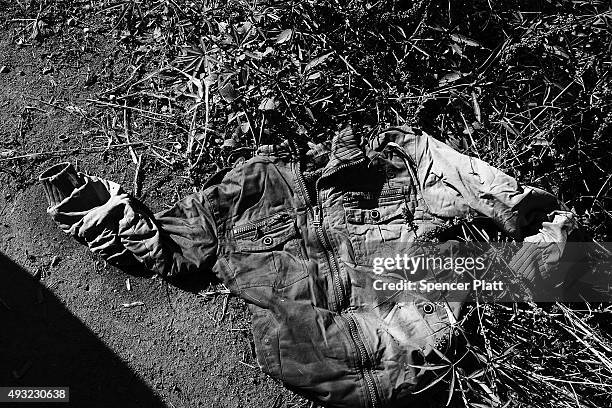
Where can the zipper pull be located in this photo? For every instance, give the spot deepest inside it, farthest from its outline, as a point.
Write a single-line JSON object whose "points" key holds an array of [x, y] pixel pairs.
{"points": [[257, 234], [317, 216]]}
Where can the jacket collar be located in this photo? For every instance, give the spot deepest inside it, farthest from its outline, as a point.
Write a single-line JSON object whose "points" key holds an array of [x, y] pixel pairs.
{"points": [[345, 151]]}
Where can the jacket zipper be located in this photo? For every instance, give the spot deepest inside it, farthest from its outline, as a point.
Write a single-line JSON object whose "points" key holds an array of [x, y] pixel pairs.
{"points": [[338, 286], [391, 192], [364, 365], [315, 209]]}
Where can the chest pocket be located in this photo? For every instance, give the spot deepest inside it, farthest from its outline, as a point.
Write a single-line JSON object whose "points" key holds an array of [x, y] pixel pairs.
{"points": [[379, 224], [269, 252]]}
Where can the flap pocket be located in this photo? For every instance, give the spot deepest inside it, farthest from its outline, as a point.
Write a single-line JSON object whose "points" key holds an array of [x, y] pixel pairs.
{"points": [[388, 206], [265, 234], [390, 214]]}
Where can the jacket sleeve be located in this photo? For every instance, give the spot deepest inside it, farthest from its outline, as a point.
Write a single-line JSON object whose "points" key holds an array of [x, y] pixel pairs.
{"points": [[455, 181], [99, 214], [456, 185]]}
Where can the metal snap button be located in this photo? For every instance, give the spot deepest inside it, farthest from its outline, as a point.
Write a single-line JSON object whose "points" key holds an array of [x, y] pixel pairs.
{"points": [[266, 341], [429, 308], [267, 241], [375, 214]]}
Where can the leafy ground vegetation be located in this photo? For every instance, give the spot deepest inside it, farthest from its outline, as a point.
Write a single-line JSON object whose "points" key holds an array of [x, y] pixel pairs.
{"points": [[188, 86]]}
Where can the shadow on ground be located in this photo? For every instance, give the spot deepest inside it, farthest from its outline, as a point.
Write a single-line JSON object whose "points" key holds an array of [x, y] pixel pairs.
{"points": [[43, 344]]}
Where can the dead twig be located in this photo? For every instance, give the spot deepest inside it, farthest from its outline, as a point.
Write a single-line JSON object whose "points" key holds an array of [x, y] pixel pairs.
{"points": [[114, 105], [121, 85], [137, 177], [70, 151], [126, 128], [216, 292], [132, 304]]}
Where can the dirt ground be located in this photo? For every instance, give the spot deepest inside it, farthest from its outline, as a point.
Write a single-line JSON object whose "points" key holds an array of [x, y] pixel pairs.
{"points": [[61, 310]]}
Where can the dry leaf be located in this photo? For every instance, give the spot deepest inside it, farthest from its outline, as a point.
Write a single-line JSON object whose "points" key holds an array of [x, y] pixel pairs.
{"points": [[284, 36], [465, 40], [268, 104], [317, 61]]}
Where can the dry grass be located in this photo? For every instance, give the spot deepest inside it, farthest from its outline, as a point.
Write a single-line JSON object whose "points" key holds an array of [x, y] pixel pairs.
{"points": [[553, 355], [523, 84]]}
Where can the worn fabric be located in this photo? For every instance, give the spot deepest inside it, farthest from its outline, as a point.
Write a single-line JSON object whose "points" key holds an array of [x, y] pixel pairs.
{"points": [[297, 243]]}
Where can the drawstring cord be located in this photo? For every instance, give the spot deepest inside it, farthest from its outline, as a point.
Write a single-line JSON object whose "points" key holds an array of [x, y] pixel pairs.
{"points": [[411, 166]]}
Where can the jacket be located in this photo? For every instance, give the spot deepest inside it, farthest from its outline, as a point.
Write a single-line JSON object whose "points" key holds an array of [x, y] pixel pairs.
{"points": [[297, 242]]}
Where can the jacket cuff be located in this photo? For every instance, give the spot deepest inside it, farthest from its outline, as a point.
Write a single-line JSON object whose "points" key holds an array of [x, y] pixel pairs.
{"points": [[59, 182], [527, 263]]}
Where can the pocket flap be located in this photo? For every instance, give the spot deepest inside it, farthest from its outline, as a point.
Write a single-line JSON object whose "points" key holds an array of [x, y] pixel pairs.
{"points": [[392, 214], [266, 233]]}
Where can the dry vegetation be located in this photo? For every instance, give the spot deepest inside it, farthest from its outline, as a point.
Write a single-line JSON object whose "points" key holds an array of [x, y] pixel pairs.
{"points": [[522, 84]]}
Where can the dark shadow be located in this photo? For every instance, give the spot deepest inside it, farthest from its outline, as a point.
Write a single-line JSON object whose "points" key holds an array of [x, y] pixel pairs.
{"points": [[192, 282], [43, 344]]}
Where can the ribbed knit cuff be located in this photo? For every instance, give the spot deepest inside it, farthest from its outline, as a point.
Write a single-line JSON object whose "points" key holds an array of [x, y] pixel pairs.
{"points": [[527, 262], [59, 182]]}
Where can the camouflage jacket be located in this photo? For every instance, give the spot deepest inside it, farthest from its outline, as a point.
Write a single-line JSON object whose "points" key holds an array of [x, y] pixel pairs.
{"points": [[297, 243]]}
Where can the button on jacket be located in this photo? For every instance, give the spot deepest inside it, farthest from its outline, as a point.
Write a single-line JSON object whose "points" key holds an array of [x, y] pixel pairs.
{"points": [[297, 244]]}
